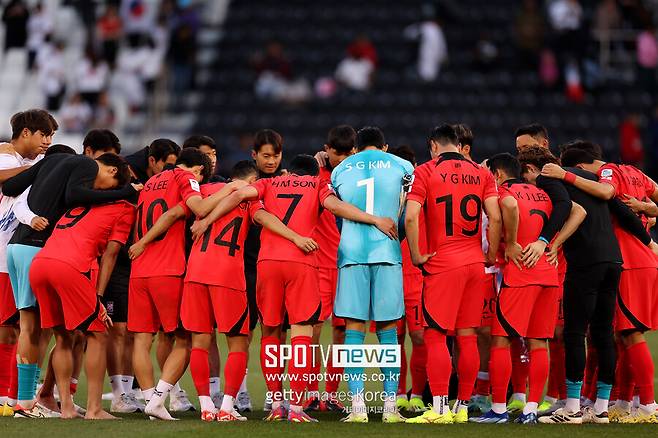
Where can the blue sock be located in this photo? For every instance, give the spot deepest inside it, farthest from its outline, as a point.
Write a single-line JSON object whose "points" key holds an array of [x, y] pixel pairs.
{"points": [[391, 374], [27, 375], [355, 382], [603, 390], [573, 389]]}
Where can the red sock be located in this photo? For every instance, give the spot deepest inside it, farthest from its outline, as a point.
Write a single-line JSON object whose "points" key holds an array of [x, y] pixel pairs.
{"points": [[418, 366], [272, 374], [13, 379], [468, 365], [538, 374], [402, 383], [520, 369], [73, 388], [438, 362], [626, 383], [500, 372], [641, 365], [314, 369], [200, 371], [6, 351], [482, 386], [299, 367], [234, 370], [557, 379]]}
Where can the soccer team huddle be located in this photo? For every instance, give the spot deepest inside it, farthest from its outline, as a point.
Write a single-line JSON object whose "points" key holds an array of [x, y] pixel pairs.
{"points": [[512, 274]]}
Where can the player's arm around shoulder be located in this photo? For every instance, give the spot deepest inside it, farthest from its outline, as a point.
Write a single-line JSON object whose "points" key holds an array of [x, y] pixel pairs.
{"points": [[350, 212], [509, 208], [274, 224]]}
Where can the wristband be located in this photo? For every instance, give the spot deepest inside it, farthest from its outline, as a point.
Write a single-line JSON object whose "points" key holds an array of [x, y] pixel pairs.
{"points": [[570, 177], [543, 239]]}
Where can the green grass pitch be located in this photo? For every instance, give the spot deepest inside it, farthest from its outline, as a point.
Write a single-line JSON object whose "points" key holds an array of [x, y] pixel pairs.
{"points": [[136, 425]]}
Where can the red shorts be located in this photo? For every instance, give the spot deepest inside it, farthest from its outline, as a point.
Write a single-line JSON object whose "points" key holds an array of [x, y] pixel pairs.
{"points": [[287, 288], [528, 312], [453, 299], [66, 296], [489, 301], [413, 290], [154, 302], [635, 302], [8, 311], [206, 306], [327, 278]]}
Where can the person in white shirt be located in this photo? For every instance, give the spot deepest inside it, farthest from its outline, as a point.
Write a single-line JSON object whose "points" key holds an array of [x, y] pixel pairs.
{"points": [[432, 50], [39, 25]]}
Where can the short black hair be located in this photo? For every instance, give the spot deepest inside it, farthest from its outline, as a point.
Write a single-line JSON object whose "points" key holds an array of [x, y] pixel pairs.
{"points": [[191, 157], [243, 169], [123, 170], [464, 134], [534, 130], [507, 163], [370, 136], [342, 139], [196, 141], [574, 157], [405, 152], [268, 136], [444, 135], [34, 120], [101, 140], [591, 148], [304, 164], [59, 149], [161, 148]]}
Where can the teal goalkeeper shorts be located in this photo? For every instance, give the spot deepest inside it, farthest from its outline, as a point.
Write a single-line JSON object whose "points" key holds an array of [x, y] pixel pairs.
{"points": [[19, 260], [370, 292]]}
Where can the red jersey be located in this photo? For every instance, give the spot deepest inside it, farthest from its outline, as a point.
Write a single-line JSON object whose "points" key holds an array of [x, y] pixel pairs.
{"points": [[326, 233], [534, 210], [628, 180], [82, 234], [296, 201], [452, 190], [162, 192], [222, 246]]}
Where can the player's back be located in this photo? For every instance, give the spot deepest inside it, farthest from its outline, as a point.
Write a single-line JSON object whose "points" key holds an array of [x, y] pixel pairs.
{"points": [[534, 209], [162, 192], [452, 191], [82, 234], [326, 233], [373, 181], [296, 201], [222, 246]]}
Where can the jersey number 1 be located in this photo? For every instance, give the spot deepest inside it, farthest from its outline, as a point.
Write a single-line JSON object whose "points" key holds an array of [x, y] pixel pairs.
{"points": [[370, 193]]}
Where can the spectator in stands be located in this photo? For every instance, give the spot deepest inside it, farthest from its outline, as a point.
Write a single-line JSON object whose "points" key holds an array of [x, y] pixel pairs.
{"points": [[15, 17], [607, 18], [52, 73], [631, 149], [529, 33], [356, 71], [647, 58], [362, 47], [75, 115], [138, 16], [182, 55], [432, 48], [91, 77], [39, 26], [104, 114], [275, 79], [109, 31], [128, 80], [566, 18], [653, 143]]}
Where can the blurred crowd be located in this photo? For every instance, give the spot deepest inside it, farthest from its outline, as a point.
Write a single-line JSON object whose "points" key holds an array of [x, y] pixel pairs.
{"points": [[128, 45]]}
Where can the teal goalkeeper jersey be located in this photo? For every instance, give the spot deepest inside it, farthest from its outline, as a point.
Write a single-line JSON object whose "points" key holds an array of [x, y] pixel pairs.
{"points": [[376, 182]]}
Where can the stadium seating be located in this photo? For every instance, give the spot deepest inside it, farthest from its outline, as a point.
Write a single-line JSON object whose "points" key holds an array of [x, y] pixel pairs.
{"points": [[315, 38]]}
